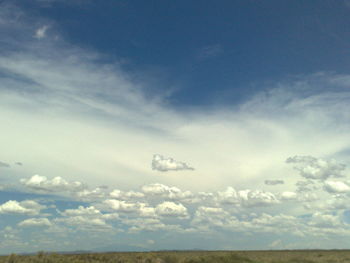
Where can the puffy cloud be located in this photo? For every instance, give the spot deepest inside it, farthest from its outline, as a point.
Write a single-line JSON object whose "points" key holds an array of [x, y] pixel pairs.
{"points": [[206, 217], [165, 191], [147, 224], [288, 195], [27, 207], [35, 222], [306, 186], [86, 194], [118, 194], [147, 211], [83, 222], [229, 196], [163, 164], [138, 209], [5, 165], [336, 187], [316, 168], [57, 184], [309, 197], [257, 198], [248, 198], [171, 209], [122, 206], [274, 182], [324, 220], [210, 210], [82, 211]]}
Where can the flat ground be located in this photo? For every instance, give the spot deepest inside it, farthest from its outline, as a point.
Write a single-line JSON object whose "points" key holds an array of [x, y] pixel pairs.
{"points": [[292, 256]]}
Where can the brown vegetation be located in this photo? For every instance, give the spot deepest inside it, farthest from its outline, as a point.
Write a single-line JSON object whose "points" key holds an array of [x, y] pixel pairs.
{"points": [[303, 256]]}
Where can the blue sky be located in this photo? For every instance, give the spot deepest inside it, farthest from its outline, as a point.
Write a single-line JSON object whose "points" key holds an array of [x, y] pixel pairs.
{"points": [[159, 124]]}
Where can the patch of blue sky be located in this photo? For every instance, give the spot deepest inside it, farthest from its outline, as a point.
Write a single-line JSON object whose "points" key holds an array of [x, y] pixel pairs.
{"points": [[212, 49]]}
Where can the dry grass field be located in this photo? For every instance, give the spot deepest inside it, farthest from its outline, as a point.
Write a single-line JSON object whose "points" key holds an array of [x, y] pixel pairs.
{"points": [[295, 256]]}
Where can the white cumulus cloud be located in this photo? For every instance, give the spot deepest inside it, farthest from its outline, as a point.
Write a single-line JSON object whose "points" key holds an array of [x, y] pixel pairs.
{"points": [[316, 168], [27, 207], [287, 195], [164, 164], [336, 187], [171, 209], [57, 184], [35, 222]]}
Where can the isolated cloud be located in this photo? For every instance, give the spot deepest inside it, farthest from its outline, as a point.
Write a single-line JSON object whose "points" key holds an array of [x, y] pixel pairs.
{"points": [[57, 184], [316, 168], [164, 164], [27, 207], [41, 32], [336, 187], [274, 182], [35, 222], [210, 51], [6, 165]]}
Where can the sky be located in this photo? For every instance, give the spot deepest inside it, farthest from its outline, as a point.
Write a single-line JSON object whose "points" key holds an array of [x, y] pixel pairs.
{"points": [[151, 125]]}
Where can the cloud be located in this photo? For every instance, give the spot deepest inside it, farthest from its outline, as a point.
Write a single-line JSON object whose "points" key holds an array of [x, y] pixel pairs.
{"points": [[253, 198], [35, 222], [320, 219], [229, 196], [118, 194], [167, 192], [336, 187], [82, 130], [306, 186], [84, 222], [287, 195], [210, 51], [41, 32], [247, 198], [171, 209], [27, 207], [57, 184], [6, 165], [273, 182], [164, 164], [122, 206], [87, 194], [313, 168], [82, 211]]}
